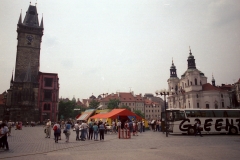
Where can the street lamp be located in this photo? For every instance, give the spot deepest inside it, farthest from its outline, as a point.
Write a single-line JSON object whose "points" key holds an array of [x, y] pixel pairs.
{"points": [[164, 93]]}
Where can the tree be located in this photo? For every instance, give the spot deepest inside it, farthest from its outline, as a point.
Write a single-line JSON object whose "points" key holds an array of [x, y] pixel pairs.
{"points": [[125, 107], [66, 109], [94, 104], [113, 103], [139, 113]]}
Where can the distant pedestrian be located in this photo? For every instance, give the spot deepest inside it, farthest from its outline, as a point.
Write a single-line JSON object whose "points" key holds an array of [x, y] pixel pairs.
{"points": [[48, 128], [68, 128], [9, 124], [198, 128], [90, 129], [95, 132], [76, 126], [101, 130], [57, 131], [3, 135]]}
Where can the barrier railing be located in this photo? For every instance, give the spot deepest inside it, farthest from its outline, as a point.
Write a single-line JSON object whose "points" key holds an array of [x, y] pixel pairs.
{"points": [[124, 133]]}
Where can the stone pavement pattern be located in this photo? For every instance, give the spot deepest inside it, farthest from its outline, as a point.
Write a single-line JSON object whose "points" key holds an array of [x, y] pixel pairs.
{"points": [[30, 143]]}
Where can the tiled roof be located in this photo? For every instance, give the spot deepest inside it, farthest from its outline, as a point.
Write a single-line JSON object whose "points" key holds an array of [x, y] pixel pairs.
{"points": [[149, 102], [209, 87], [123, 97]]}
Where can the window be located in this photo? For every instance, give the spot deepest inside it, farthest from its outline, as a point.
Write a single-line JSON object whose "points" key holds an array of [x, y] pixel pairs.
{"points": [[207, 106], [195, 81], [188, 82], [200, 83], [222, 104], [197, 105], [221, 96], [46, 106], [47, 95], [233, 114], [48, 82]]}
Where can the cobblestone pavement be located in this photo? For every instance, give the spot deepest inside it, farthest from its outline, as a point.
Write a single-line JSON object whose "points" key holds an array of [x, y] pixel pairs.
{"points": [[30, 143]]}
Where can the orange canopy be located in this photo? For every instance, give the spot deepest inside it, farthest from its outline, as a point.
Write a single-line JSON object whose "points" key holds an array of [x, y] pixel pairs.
{"points": [[115, 113]]}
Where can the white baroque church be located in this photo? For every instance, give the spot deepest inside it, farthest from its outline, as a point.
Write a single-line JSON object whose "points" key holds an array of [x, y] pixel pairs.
{"points": [[193, 91]]}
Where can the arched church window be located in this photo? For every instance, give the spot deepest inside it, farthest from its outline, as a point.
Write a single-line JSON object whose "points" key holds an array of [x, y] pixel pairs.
{"points": [[195, 81], [191, 83], [188, 82]]}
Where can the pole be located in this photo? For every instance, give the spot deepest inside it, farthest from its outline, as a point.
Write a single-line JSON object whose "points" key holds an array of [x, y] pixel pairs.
{"points": [[166, 124]]}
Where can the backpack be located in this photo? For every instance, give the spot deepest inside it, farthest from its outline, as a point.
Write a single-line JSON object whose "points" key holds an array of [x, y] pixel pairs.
{"points": [[55, 128]]}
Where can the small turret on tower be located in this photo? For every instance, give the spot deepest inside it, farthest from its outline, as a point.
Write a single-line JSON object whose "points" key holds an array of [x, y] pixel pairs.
{"points": [[213, 81]]}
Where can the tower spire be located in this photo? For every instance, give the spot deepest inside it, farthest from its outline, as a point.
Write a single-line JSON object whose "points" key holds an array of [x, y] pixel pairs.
{"points": [[20, 18], [41, 25], [173, 70]]}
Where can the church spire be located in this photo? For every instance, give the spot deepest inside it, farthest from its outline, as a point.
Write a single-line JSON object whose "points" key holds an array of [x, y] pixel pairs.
{"points": [[173, 70], [191, 60]]}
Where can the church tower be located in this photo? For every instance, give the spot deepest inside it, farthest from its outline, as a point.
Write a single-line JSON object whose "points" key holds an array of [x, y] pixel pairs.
{"points": [[173, 80], [29, 36], [191, 61]]}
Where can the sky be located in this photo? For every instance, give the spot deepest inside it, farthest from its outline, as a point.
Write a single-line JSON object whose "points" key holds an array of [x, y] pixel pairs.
{"points": [[109, 46]]}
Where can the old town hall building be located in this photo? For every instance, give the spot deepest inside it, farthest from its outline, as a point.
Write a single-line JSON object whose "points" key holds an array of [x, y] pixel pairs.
{"points": [[33, 95]]}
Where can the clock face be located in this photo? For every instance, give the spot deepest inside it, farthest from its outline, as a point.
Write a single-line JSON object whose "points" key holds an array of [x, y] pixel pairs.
{"points": [[29, 39]]}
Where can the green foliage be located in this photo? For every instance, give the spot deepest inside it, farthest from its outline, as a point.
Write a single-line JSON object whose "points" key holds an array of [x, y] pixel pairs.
{"points": [[139, 113], [113, 103], [93, 104], [125, 107], [66, 109]]}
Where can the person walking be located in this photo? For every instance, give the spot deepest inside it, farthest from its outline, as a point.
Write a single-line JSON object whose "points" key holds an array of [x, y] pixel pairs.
{"points": [[76, 126], [9, 124], [48, 128], [67, 130], [95, 131], [198, 128], [101, 130], [57, 131], [3, 135]]}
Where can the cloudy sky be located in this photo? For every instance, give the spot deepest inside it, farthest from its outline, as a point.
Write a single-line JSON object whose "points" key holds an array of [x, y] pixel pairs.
{"points": [[107, 46]]}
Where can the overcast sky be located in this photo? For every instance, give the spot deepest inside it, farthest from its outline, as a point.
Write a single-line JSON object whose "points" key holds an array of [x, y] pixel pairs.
{"points": [[109, 46]]}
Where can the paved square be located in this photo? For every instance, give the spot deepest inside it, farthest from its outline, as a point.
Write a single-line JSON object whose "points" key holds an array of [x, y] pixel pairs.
{"points": [[30, 143]]}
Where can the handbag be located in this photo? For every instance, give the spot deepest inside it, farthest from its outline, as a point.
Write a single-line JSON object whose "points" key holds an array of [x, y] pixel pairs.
{"points": [[64, 131]]}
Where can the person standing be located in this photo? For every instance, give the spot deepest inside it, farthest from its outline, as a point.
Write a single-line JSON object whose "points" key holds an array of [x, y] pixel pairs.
{"points": [[101, 130], [48, 128], [90, 129], [4, 132], [68, 128], [198, 129], [9, 124], [76, 126], [95, 132]]}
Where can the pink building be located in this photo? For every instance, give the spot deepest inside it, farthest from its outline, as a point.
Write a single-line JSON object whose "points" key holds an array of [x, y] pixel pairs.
{"points": [[48, 96]]}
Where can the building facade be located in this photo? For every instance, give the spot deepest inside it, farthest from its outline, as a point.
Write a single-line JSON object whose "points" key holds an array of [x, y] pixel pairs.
{"points": [[193, 91], [48, 96]]}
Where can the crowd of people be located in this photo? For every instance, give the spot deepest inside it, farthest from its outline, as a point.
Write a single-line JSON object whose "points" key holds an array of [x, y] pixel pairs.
{"points": [[92, 130]]}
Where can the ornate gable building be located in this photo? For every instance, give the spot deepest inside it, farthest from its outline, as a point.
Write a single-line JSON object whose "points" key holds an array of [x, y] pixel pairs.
{"points": [[23, 97], [193, 91]]}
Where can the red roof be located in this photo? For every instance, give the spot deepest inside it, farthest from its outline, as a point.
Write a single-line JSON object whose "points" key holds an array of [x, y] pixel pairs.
{"points": [[209, 87], [115, 113]]}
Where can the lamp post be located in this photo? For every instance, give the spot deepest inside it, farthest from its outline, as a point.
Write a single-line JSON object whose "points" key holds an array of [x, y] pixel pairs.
{"points": [[164, 93]]}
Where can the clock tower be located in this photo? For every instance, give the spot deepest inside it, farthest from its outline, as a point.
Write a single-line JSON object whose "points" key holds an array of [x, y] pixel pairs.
{"points": [[29, 36]]}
